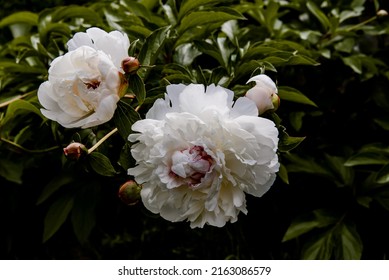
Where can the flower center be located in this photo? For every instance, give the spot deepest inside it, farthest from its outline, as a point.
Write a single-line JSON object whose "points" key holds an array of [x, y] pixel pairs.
{"points": [[191, 164], [92, 84]]}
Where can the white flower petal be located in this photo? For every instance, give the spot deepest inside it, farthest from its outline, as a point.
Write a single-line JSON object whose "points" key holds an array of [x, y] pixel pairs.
{"points": [[45, 98], [79, 39], [115, 44], [244, 106], [159, 110], [264, 80]]}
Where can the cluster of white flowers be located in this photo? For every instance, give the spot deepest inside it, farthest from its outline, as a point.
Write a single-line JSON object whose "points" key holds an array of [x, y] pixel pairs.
{"points": [[85, 84], [198, 152]]}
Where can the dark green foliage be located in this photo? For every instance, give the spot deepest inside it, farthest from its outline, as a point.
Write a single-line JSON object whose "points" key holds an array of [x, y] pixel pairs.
{"points": [[330, 62]]}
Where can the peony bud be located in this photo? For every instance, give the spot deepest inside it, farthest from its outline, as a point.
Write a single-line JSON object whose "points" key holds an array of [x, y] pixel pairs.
{"points": [[130, 65], [264, 93], [382, 13], [75, 150], [129, 192]]}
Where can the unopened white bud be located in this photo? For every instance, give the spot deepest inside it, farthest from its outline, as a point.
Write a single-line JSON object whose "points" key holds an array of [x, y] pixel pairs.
{"points": [[382, 13], [264, 93]]}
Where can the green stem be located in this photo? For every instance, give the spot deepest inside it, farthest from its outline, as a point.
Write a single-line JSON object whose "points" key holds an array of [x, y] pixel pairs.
{"points": [[28, 150], [95, 146], [6, 103], [357, 26], [101, 141]]}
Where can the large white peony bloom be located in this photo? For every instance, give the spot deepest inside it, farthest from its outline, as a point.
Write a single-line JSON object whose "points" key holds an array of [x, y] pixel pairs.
{"points": [[83, 88], [115, 43], [198, 153]]}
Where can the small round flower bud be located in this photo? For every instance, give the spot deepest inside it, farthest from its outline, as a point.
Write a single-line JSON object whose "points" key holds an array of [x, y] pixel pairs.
{"points": [[75, 150], [129, 192], [264, 93], [382, 13], [130, 65]]}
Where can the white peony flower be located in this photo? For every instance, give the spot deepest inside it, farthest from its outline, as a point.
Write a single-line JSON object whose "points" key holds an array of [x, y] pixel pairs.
{"points": [[83, 88], [264, 93], [115, 43], [198, 153]]}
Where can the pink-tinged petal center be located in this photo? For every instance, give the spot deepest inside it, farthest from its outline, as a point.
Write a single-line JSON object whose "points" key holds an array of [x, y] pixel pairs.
{"points": [[191, 165]]}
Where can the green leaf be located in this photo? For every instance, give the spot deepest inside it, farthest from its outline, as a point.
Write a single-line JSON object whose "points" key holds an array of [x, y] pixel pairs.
{"points": [[185, 54], [255, 52], [150, 4], [319, 218], [20, 107], [11, 170], [294, 95], [249, 68], [101, 164], [71, 12], [178, 78], [319, 247], [226, 50], [382, 197], [20, 17], [232, 30], [11, 66], [137, 31], [345, 45], [350, 247], [153, 45], [354, 62], [125, 160], [189, 5], [271, 15], [137, 86], [323, 19], [383, 175], [138, 9], [283, 174], [56, 215], [125, 116], [298, 228], [383, 123], [296, 119], [217, 75], [344, 173], [46, 29], [367, 158], [302, 60], [170, 11], [306, 165], [364, 201], [83, 215], [287, 142], [203, 18], [210, 50], [376, 148], [55, 184], [344, 15]]}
